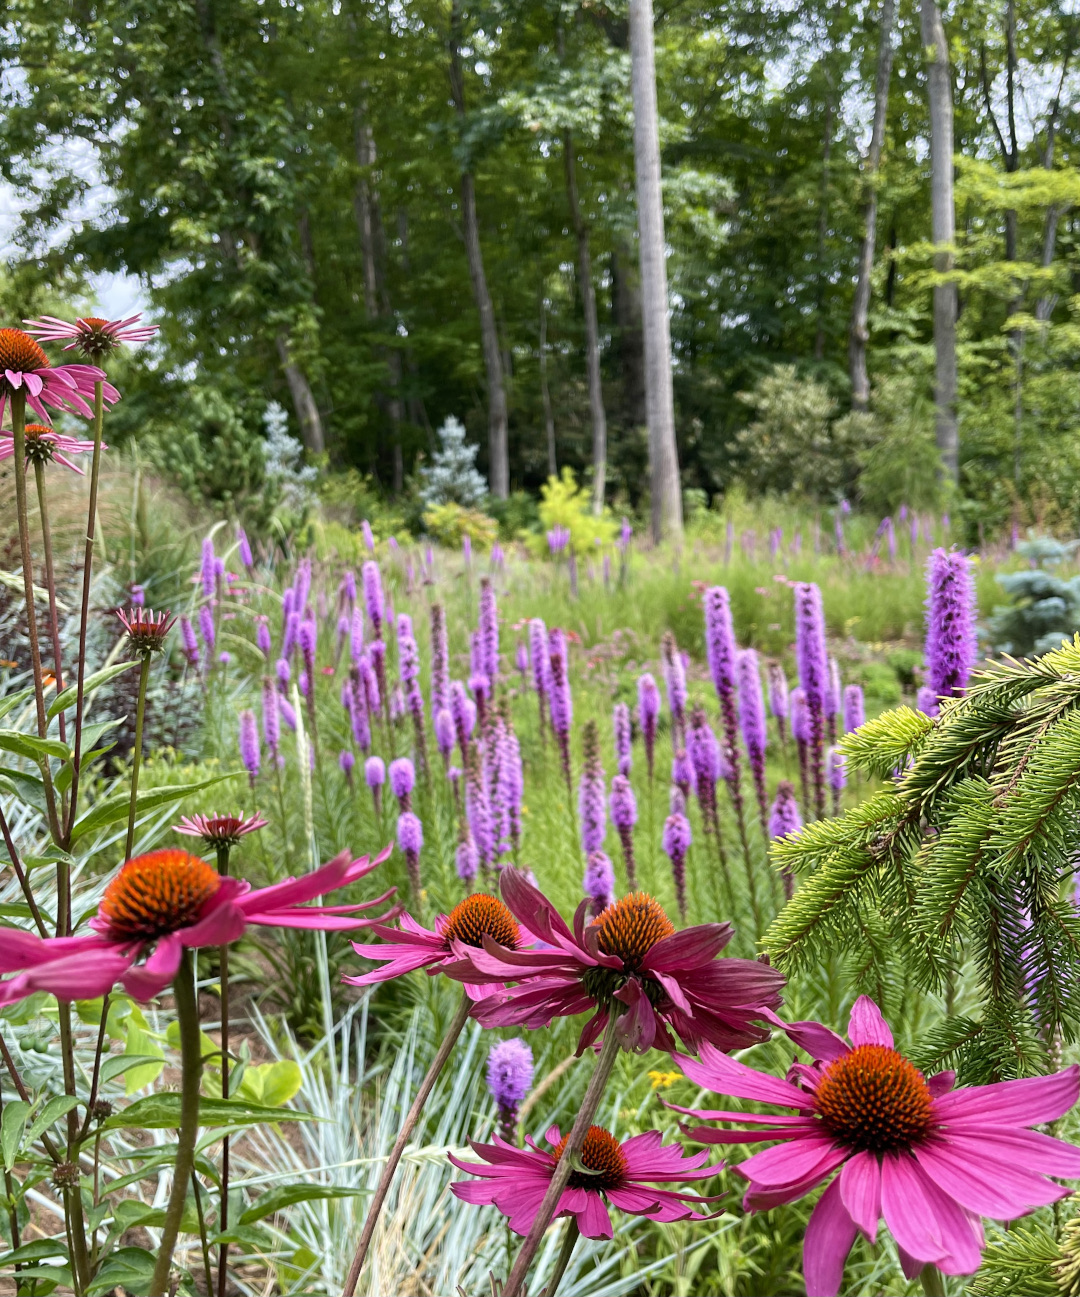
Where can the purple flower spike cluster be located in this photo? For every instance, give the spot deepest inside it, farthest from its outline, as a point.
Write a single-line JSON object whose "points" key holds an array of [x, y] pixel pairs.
{"points": [[620, 718], [440, 661], [249, 744], [478, 810], [783, 820], [207, 573], [599, 881], [489, 632], [271, 719], [560, 703], [752, 716], [648, 716], [466, 857], [812, 658], [951, 642], [190, 641], [373, 596], [624, 815], [410, 840], [676, 842], [591, 790], [409, 670], [674, 682], [375, 777], [402, 781], [509, 1080], [854, 708]]}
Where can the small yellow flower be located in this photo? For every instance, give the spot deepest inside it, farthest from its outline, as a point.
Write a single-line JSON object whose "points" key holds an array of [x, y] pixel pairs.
{"points": [[663, 1080]]}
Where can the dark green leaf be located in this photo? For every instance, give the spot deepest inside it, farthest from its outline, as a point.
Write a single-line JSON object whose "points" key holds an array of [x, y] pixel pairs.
{"points": [[92, 682], [278, 1199], [162, 1112], [12, 701], [113, 809], [27, 788], [31, 747]]}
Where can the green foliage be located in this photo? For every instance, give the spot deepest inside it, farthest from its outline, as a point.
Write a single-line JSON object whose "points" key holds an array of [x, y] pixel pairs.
{"points": [[1045, 609], [563, 503], [898, 461], [449, 523], [1024, 1260]]}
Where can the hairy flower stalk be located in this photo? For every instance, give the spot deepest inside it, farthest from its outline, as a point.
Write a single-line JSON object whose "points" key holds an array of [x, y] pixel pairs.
{"points": [[624, 815], [755, 733], [648, 717], [812, 658]]}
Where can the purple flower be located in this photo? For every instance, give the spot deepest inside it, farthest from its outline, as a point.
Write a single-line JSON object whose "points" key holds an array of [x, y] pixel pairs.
{"points": [[283, 671], [489, 631], [810, 651], [926, 701], [511, 781], [626, 533], [244, 549], [466, 549], [591, 790], [262, 637], [358, 712], [440, 661], [836, 771], [445, 733], [463, 710], [560, 701], [521, 660], [373, 595], [370, 681], [137, 596], [308, 640], [854, 708], [271, 718], [410, 839], [951, 643], [348, 585], [286, 712], [402, 780], [369, 539], [408, 653], [682, 771], [466, 858], [356, 635], [800, 716], [478, 810], [249, 744], [558, 538], [784, 818], [509, 1079], [752, 716], [206, 571], [621, 722], [538, 653], [397, 705], [720, 640], [374, 772], [224, 657], [292, 633], [648, 715], [599, 881], [206, 625], [346, 761], [676, 842], [189, 640], [674, 679], [834, 692], [624, 816]]}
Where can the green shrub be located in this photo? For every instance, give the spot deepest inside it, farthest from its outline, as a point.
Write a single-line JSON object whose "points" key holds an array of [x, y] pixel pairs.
{"points": [[450, 523], [565, 504]]}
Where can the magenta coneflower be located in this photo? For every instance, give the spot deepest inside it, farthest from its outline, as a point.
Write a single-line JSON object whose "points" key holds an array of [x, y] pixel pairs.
{"points": [[624, 1175], [91, 336], [44, 444], [929, 1159], [219, 831], [158, 905], [668, 981], [24, 367]]}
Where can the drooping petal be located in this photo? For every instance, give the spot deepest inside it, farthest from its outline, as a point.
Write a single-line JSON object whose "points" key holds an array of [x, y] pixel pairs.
{"points": [[860, 1189], [688, 948], [792, 1162], [984, 1184], [830, 1232], [909, 1210], [144, 981], [728, 1076], [866, 1025], [219, 926], [636, 1027], [593, 1219]]}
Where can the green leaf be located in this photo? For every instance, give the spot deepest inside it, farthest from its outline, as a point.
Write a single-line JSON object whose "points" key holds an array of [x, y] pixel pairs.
{"points": [[92, 682], [112, 809], [57, 1107], [270, 1083], [45, 1278], [278, 1199], [209, 1048], [138, 1041], [27, 788], [36, 1251], [128, 1267], [162, 1112], [12, 1126], [118, 1064], [12, 701], [31, 747]]}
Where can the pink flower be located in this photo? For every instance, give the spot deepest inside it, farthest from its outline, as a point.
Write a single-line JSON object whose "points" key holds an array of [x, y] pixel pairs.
{"points": [[94, 337], [623, 1174], [146, 630], [161, 902], [45, 444], [219, 831], [413, 946], [929, 1159], [666, 981], [25, 367]]}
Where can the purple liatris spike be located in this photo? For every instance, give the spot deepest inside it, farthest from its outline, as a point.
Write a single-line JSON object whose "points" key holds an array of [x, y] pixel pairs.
{"points": [[346, 761], [243, 548], [356, 635], [459, 710], [397, 705], [752, 718], [408, 654], [720, 639], [509, 1079], [837, 771], [302, 585], [812, 658], [511, 782], [206, 571], [370, 681], [440, 660], [206, 625], [682, 771], [591, 790], [538, 653], [648, 716], [286, 712], [283, 672], [800, 716], [348, 586], [521, 660], [374, 772], [303, 684], [621, 724], [410, 840], [445, 733], [308, 641], [854, 708], [951, 643], [478, 810], [624, 816], [262, 637], [291, 635], [599, 881], [249, 744], [834, 691], [784, 818], [373, 596], [369, 539], [560, 701], [778, 691], [466, 857], [676, 842], [402, 780], [189, 641], [358, 711], [926, 701], [489, 631], [674, 680], [271, 718]]}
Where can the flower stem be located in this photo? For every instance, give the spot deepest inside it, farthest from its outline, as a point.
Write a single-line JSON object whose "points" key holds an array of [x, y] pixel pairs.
{"points": [[84, 614], [187, 1016], [932, 1283], [136, 756], [515, 1280], [50, 584], [404, 1135], [569, 1239], [223, 1214]]}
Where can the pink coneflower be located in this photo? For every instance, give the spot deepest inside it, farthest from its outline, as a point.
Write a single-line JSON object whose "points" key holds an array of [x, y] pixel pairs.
{"points": [[219, 831], [928, 1159], [91, 336], [668, 981], [412, 946], [43, 445], [158, 905], [25, 367], [624, 1175], [146, 630]]}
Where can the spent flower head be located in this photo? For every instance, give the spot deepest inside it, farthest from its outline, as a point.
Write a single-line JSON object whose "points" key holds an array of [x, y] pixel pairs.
{"points": [[146, 630], [90, 335], [219, 831]]}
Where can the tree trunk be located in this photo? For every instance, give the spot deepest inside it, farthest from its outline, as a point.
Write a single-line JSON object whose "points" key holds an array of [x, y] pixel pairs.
{"points": [[498, 442], [943, 228], [860, 307], [307, 412], [628, 343], [597, 414], [659, 398], [545, 394]]}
